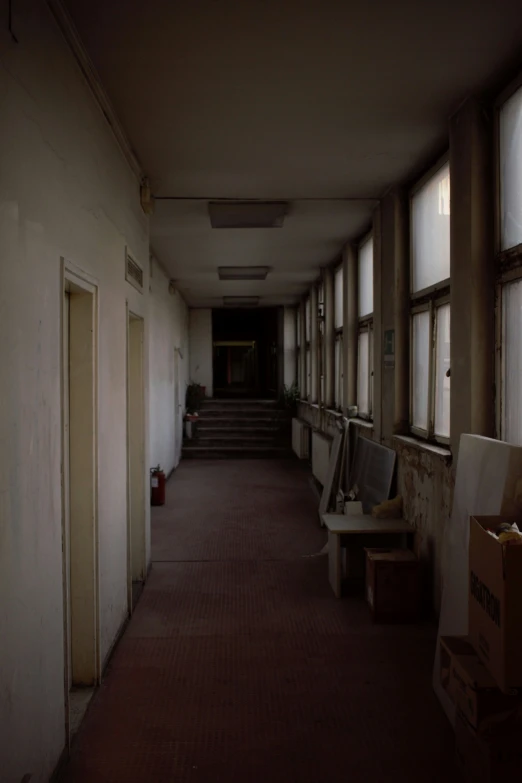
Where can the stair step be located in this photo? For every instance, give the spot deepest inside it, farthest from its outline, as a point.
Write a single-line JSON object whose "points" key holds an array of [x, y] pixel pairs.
{"points": [[236, 441], [233, 413], [241, 452], [232, 430], [241, 403]]}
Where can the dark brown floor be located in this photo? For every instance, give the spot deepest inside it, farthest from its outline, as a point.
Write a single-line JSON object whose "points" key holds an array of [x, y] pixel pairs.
{"points": [[240, 666]]}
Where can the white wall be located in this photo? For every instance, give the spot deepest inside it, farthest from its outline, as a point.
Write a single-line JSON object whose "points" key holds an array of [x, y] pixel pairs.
{"points": [[201, 348], [65, 190], [289, 346], [169, 370]]}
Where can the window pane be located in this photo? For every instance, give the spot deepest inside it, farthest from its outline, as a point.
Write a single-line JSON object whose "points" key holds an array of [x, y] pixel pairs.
{"points": [[431, 231], [363, 402], [339, 371], [370, 403], [308, 374], [307, 320], [512, 363], [420, 369], [442, 365], [338, 299], [511, 170], [298, 327], [366, 278]]}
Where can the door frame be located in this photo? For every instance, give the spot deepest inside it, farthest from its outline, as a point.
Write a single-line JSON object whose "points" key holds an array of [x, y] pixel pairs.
{"points": [[130, 316], [75, 280]]}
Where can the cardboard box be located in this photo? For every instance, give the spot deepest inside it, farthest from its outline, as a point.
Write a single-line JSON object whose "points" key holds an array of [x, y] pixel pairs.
{"points": [[495, 601], [393, 585], [471, 687], [492, 759]]}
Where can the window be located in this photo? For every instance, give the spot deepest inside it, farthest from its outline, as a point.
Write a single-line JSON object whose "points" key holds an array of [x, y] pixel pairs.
{"points": [[430, 308], [511, 420], [320, 341], [365, 338], [298, 347], [510, 268], [510, 143], [308, 368], [338, 326]]}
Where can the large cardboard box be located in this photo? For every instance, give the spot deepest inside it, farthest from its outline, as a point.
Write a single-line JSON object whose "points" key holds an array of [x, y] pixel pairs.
{"points": [[393, 585], [495, 601], [492, 759], [471, 687]]}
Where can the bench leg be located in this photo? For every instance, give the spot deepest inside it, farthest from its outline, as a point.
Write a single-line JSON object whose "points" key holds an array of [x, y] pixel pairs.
{"points": [[334, 563]]}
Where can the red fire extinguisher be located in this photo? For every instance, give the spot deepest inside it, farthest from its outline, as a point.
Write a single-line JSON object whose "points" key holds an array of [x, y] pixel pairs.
{"points": [[157, 487]]}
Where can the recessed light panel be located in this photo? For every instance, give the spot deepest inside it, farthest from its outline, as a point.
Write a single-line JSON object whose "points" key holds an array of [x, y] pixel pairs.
{"points": [[242, 272], [240, 301]]}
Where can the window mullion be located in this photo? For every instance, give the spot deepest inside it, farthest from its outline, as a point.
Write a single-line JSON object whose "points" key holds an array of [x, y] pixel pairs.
{"points": [[431, 371], [370, 368]]}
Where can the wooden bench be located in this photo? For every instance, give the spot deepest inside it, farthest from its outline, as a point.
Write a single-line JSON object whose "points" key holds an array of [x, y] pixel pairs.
{"points": [[357, 524]]}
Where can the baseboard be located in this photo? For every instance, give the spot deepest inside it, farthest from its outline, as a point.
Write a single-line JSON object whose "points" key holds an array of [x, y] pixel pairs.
{"points": [[112, 648], [60, 766]]}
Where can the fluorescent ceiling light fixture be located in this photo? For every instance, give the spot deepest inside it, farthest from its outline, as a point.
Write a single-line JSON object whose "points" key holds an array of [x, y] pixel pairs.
{"points": [[240, 301], [243, 272], [247, 214]]}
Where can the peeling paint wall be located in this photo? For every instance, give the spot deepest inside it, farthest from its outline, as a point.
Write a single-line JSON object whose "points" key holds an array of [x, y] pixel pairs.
{"points": [[65, 190], [426, 483]]}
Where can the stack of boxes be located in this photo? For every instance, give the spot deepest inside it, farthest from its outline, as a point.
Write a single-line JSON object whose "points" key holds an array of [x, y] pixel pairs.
{"points": [[482, 673]]}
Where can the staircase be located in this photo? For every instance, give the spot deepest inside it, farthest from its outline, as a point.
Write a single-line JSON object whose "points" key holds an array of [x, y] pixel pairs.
{"points": [[240, 429]]}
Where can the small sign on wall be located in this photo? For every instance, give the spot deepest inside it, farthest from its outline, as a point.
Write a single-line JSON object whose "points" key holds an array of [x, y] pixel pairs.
{"points": [[389, 349]]}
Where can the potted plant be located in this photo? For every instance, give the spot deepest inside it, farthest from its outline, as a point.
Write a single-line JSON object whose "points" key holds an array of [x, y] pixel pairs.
{"points": [[291, 397], [194, 396]]}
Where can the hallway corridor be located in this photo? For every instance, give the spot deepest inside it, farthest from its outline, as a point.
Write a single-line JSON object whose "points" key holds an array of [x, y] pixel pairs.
{"points": [[240, 666]]}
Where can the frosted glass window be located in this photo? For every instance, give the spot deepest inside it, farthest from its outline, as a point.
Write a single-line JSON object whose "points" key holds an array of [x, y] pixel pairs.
{"points": [[370, 360], [512, 363], [338, 298], [430, 225], [366, 278], [339, 371], [420, 369], [363, 368], [442, 365], [307, 320], [511, 171]]}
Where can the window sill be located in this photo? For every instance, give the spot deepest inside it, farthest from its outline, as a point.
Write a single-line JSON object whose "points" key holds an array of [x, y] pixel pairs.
{"points": [[334, 413], [366, 423], [310, 404], [421, 445]]}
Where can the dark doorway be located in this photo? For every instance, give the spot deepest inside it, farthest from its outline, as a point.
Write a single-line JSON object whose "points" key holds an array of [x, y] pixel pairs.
{"points": [[245, 353]]}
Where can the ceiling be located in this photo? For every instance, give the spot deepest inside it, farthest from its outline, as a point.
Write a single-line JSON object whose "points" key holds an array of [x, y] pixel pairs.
{"points": [[325, 104]]}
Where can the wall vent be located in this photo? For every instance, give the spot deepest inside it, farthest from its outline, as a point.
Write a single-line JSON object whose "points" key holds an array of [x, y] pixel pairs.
{"points": [[133, 273]]}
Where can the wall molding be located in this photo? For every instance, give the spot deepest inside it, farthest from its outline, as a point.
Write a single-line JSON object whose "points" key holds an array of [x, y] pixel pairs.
{"points": [[68, 29]]}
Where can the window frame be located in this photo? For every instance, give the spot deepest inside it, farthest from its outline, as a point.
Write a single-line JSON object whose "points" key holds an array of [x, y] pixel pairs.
{"points": [[339, 338], [307, 346], [366, 323], [297, 379], [427, 299], [508, 262], [430, 304]]}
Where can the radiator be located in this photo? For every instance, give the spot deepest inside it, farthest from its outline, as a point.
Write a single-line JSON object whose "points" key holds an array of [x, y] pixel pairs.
{"points": [[301, 438], [321, 445]]}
